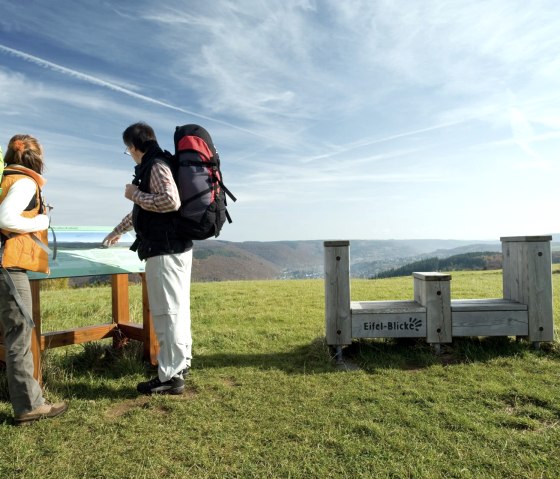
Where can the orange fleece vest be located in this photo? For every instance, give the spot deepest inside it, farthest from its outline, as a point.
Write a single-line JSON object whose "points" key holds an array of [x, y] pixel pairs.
{"points": [[20, 250]]}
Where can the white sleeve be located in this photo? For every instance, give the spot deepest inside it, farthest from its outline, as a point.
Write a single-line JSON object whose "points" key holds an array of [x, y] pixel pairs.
{"points": [[17, 199]]}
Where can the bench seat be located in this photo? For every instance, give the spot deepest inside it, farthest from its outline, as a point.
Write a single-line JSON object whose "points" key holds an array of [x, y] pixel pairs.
{"points": [[489, 317]]}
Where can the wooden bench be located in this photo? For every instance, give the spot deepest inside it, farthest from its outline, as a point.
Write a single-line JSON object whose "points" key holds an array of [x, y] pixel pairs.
{"points": [[524, 311]]}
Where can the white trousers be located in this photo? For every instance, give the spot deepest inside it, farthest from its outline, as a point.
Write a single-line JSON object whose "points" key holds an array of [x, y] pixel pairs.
{"points": [[168, 279]]}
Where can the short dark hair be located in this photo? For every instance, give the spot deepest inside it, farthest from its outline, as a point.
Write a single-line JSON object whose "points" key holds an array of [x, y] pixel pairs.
{"points": [[138, 134]]}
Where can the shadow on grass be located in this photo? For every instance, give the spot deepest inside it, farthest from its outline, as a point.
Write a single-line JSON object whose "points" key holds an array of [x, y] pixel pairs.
{"points": [[411, 354], [371, 355], [99, 371]]}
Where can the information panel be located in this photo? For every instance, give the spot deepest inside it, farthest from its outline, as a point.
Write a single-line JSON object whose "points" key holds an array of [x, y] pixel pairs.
{"points": [[78, 251]]}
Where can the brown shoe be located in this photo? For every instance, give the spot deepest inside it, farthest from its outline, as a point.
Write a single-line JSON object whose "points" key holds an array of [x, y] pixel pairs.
{"points": [[44, 411]]}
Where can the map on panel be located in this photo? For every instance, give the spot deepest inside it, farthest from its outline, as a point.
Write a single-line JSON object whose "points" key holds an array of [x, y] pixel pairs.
{"points": [[77, 251]]}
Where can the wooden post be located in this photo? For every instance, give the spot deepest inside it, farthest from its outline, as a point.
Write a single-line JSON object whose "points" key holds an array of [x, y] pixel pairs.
{"points": [[433, 291], [36, 333], [338, 322], [120, 306], [527, 278], [151, 346]]}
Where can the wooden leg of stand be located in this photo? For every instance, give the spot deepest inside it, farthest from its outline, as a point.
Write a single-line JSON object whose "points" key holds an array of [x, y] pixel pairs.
{"points": [[151, 346], [36, 333], [120, 304]]}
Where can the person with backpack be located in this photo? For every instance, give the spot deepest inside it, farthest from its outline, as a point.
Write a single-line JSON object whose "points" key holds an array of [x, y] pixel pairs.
{"points": [[167, 253], [23, 228]]}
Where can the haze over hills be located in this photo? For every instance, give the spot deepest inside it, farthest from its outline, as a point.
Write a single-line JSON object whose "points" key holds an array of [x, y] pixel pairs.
{"points": [[217, 260]]}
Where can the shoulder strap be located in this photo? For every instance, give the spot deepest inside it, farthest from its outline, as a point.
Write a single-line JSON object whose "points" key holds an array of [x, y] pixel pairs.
{"points": [[33, 203]]}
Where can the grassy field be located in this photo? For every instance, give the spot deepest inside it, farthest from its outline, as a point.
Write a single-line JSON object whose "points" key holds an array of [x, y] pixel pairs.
{"points": [[265, 398]]}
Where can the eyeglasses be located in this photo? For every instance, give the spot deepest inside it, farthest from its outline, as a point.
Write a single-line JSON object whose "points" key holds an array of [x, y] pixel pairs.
{"points": [[126, 152]]}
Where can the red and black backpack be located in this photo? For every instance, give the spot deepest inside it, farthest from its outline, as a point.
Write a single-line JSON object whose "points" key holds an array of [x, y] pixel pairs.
{"points": [[203, 209]]}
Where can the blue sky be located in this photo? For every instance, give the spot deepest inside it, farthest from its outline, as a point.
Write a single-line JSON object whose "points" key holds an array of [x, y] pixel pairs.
{"points": [[334, 119]]}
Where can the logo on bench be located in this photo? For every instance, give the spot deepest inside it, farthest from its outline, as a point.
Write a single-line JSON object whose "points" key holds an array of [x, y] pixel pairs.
{"points": [[412, 324]]}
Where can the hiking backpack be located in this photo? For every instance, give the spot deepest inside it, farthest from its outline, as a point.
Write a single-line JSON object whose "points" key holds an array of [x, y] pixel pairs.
{"points": [[203, 209]]}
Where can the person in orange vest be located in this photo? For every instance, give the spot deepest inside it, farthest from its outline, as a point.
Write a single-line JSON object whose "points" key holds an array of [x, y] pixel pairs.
{"points": [[23, 228]]}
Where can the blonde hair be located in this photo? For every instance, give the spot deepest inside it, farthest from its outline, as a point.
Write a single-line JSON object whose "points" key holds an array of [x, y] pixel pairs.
{"points": [[26, 151]]}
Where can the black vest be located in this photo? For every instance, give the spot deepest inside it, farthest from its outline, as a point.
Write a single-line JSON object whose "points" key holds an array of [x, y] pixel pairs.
{"points": [[155, 232]]}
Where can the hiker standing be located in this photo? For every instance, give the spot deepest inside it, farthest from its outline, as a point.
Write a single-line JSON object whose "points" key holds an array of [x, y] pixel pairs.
{"points": [[23, 225], [168, 257]]}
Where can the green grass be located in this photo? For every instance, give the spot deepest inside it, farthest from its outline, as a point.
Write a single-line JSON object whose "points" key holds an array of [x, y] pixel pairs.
{"points": [[265, 398]]}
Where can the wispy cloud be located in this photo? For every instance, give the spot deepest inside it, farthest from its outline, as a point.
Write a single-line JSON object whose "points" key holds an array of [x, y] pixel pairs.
{"points": [[320, 102], [114, 87]]}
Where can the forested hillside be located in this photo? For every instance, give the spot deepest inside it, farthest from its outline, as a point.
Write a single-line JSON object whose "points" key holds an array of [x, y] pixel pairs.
{"points": [[467, 261]]}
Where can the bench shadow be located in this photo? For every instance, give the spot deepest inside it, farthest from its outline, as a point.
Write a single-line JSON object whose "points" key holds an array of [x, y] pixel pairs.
{"points": [[415, 354]]}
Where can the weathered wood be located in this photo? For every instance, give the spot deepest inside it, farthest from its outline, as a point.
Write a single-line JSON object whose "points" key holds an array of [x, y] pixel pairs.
{"points": [[525, 309], [489, 323], [338, 322], [388, 319], [525, 239], [527, 278], [489, 317], [432, 276], [490, 304], [433, 291], [365, 307]]}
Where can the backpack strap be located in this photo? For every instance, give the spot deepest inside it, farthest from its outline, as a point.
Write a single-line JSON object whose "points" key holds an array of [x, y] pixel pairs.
{"points": [[32, 204]]}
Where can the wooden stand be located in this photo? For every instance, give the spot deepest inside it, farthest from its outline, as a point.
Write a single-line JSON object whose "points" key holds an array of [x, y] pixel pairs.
{"points": [[120, 329]]}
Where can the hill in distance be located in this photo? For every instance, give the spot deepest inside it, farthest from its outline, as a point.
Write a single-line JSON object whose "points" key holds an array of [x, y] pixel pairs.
{"points": [[216, 260]]}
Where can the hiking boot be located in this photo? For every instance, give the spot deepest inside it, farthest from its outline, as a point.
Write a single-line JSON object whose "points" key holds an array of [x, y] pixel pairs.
{"points": [[176, 385], [45, 411]]}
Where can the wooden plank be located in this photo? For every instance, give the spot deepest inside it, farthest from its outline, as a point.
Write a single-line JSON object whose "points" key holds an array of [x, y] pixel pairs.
{"points": [[539, 291], [507, 272], [432, 276], [497, 304], [338, 324], [84, 334], [489, 323], [389, 325], [365, 307], [132, 331], [525, 239]]}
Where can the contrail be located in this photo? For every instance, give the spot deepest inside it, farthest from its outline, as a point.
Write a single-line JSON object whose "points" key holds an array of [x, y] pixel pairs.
{"points": [[373, 141], [112, 86]]}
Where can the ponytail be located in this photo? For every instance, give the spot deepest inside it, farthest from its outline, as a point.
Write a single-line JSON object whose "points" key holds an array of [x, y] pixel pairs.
{"points": [[25, 150]]}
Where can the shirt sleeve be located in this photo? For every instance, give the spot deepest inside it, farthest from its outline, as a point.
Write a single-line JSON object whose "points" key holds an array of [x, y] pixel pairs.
{"points": [[164, 196], [124, 226], [18, 198]]}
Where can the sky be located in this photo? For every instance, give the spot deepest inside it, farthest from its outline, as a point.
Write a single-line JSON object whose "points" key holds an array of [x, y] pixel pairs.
{"points": [[334, 119]]}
